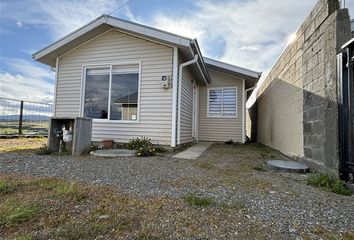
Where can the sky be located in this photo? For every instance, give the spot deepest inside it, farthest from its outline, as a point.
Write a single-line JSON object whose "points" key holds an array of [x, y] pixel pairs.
{"points": [[247, 33]]}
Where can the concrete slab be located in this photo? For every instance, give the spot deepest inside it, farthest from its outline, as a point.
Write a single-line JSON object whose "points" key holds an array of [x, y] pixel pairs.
{"points": [[287, 166], [114, 153], [194, 152]]}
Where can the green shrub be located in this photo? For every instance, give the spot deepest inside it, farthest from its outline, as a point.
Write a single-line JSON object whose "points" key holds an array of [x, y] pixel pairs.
{"points": [[159, 149], [199, 201], [328, 183], [43, 150], [143, 147]]}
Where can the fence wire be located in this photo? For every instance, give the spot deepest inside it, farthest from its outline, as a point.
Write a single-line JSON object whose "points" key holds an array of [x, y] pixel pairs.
{"points": [[33, 119]]}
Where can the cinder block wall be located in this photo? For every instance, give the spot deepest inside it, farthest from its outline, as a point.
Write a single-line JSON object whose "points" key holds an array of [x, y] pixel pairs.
{"points": [[297, 103]]}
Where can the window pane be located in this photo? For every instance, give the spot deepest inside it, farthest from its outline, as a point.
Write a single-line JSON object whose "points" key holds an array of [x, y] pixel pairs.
{"points": [[229, 101], [96, 93], [124, 96], [215, 102]]}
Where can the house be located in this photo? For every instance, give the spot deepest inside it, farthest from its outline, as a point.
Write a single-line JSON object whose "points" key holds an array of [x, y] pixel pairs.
{"points": [[134, 81]]}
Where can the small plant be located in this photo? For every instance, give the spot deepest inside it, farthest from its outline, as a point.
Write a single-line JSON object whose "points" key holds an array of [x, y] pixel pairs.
{"points": [[95, 147], [13, 212], [143, 147], [44, 150], [159, 149], [328, 183], [199, 201], [260, 167]]}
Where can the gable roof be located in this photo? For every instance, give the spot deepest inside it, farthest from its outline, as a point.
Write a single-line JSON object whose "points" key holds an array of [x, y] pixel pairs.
{"points": [[188, 47], [251, 77]]}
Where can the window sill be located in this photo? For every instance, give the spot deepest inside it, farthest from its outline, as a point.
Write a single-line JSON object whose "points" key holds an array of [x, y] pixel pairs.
{"points": [[114, 121]]}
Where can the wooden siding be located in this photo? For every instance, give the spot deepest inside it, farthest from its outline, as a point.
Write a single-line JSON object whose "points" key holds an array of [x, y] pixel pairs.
{"points": [[155, 102], [220, 128], [186, 107]]}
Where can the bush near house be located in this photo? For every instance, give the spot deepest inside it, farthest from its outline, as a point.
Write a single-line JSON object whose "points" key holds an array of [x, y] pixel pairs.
{"points": [[143, 147]]}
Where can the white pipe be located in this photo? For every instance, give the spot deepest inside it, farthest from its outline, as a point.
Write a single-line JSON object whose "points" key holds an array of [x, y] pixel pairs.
{"points": [[206, 82], [249, 89], [174, 96], [180, 75]]}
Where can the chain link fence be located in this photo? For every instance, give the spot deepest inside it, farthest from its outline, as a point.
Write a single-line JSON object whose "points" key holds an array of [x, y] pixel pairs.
{"points": [[24, 117]]}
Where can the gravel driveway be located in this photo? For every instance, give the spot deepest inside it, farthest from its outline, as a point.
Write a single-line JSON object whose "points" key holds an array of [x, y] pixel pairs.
{"points": [[282, 202]]}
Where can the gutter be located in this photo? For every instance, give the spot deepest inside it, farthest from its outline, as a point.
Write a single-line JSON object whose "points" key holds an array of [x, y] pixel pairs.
{"points": [[180, 75]]}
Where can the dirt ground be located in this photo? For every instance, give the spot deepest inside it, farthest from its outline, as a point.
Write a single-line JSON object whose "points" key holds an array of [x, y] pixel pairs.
{"points": [[227, 193]]}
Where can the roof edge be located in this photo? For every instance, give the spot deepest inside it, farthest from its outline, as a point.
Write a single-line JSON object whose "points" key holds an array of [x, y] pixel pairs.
{"points": [[234, 68]]}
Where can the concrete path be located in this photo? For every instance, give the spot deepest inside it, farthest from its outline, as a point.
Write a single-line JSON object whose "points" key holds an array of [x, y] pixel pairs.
{"points": [[194, 152]]}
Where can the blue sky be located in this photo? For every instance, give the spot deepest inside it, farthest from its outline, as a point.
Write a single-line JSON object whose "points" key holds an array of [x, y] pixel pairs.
{"points": [[248, 33]]}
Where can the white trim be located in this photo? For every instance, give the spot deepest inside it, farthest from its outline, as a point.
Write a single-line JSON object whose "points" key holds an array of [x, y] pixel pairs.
{"points": [[180, 77], [232, 68], [119, 24], [195, 112], [222, 90], [174, 96], [109, 65], [55, 85], [243, 112]]}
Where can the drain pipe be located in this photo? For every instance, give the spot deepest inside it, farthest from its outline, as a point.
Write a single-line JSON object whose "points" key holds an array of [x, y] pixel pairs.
{"points": [[180, 76]]}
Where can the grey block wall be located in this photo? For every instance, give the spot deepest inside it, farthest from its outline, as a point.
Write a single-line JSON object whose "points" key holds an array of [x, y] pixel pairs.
{"points": [[308, 65]]}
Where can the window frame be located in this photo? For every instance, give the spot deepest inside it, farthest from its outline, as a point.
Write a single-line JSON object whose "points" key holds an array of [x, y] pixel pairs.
{"points": [[110, 66], [222, 102]]}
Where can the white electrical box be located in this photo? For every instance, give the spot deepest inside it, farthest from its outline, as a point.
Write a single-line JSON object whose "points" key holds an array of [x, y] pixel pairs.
{"points": [[165, 82]]}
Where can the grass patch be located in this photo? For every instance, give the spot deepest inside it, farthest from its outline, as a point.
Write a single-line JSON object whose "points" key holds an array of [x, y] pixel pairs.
{"points": [[43, 150], [21, 144], [328, 183], [61, 188], [199, 201], [24, 237], [13, 212], [7, 186]]}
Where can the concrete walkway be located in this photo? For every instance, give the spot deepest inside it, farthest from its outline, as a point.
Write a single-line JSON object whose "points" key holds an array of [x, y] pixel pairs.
{"points": [[194, 152]]}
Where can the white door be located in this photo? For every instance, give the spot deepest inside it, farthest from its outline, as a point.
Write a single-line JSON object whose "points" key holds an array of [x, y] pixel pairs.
{"points": [[195, 111]]}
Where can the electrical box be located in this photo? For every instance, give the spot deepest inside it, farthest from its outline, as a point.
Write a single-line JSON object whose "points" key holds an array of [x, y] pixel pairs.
{"points": [[70, 134], [166, 82]]}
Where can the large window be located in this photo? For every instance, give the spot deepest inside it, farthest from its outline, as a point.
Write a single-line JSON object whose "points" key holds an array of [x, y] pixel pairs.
{"points": [[112, 92], [222, 102]]}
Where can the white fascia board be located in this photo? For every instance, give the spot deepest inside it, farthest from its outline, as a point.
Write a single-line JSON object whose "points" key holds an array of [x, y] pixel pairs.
{"points": [[233, 68], [119, 24], [70, 37], [148, 31]]}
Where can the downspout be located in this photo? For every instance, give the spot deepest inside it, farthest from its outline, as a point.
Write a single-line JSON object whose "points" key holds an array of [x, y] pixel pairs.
{"points": [[180, 75]]}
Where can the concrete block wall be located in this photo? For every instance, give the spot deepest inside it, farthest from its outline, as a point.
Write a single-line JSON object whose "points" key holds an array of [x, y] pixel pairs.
{"points": [[297, 103]]}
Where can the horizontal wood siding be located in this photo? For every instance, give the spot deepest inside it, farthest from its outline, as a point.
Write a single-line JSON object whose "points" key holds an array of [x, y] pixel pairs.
{"points": [[218, 128], [155, 102], [186, 106]]}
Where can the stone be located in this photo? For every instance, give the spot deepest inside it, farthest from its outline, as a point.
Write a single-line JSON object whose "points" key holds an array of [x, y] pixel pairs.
{"points": [[113, 153], [287, 166]]}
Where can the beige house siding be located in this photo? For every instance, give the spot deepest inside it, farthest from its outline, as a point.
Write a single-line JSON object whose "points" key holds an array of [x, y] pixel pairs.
{"points": [[155, 102], [219, 128], [186, 107]]}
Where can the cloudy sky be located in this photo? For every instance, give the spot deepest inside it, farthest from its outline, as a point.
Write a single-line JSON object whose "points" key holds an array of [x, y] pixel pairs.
{"points": [[248, 33]]}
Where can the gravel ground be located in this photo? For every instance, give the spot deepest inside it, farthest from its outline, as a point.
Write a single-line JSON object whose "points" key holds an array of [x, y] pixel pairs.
{"points": [[281, 202]]}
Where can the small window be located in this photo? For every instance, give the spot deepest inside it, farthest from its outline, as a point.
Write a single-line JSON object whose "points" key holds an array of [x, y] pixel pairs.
{"points": [[222, 102], [112, 92]]}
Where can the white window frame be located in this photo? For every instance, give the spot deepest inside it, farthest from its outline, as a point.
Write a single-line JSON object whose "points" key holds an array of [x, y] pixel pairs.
{"points": [[110, 66], [222, 99]]}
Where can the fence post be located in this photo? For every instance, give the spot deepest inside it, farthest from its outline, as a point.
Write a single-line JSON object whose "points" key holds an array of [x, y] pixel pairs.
{"points": [[20, 119]]}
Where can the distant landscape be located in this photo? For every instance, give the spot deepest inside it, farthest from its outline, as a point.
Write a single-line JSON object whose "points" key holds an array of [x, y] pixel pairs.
{"points": [[15, 117]]}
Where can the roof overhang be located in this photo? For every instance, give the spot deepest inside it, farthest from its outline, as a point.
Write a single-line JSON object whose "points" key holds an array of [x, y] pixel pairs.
{"points": [[251, 77], [188, 47]]}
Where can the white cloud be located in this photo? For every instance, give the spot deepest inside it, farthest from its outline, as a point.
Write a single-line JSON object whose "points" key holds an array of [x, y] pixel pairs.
{"points": [[26, 81], [19, 24], [60, 17]]}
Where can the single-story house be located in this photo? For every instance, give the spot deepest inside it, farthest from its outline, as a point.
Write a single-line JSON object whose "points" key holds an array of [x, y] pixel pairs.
{"points": [[134, 80]]}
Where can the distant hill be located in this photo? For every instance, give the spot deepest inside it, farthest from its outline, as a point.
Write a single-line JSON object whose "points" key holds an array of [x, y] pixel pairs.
{"points": [[4, 118]]}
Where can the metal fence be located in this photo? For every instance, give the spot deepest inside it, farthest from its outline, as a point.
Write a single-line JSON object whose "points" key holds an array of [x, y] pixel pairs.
{"points": [[24, 117]]}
